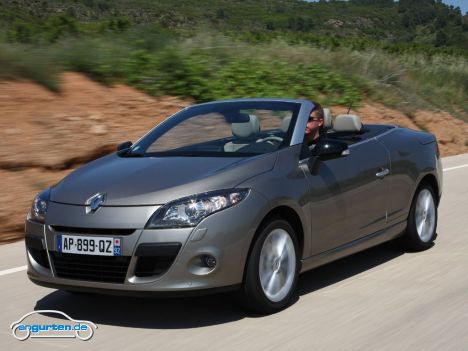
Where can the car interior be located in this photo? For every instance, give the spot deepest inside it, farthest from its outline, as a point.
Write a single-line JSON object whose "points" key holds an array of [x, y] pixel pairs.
{"points": [[349, 128], [248, 136]]}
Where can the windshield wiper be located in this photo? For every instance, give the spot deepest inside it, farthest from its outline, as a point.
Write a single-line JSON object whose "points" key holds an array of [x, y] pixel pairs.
{"points": [[175, 154]]}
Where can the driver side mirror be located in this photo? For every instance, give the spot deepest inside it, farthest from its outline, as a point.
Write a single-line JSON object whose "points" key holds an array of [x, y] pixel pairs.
{"points": [[327, 149], [123, 148], [124, 145]]}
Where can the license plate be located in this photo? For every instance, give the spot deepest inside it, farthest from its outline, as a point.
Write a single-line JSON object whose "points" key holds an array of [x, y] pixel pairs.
{"points": [[89, 245]]}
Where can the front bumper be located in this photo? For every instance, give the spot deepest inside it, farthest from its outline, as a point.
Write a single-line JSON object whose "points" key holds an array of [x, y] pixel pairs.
{"points": [[152, 261]]}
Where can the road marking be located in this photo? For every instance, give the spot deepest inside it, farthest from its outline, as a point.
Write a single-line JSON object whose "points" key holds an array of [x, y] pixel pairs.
{"points": [[456, 167], [13, 270]]}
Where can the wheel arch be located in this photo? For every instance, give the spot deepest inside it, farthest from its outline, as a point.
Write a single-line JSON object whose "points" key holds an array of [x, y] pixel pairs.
{"points": [[280, 212], [432, 181], [411, 239]]}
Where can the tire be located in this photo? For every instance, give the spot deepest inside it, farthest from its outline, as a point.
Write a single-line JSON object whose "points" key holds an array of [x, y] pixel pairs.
{"points": [[272, 269], [422, 220]]}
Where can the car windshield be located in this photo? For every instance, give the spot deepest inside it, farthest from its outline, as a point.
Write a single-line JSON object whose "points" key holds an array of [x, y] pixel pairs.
{"points": [[226, 129]]}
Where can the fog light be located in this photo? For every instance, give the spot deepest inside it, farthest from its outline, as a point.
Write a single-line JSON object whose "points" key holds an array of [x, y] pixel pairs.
{"points": [[209, 261]]}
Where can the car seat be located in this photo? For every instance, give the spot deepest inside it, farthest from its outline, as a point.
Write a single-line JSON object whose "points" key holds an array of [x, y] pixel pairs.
{"points": [[245, 133]]}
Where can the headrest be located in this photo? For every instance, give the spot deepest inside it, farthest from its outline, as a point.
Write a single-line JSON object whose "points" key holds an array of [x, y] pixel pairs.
{"points": [[247, 129], [285, 124], [347, 123], [327, 119]]}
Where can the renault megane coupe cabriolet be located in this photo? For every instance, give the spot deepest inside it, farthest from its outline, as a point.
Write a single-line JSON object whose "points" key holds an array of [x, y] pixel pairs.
{"points": [[229, 195]]}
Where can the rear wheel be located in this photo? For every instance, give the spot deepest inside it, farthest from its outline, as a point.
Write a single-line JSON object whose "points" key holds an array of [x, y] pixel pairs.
{"points": [[272, 269], [422, 221]]}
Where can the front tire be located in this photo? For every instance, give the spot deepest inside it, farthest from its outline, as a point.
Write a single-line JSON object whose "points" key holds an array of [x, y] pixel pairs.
{"points": [[422, 220], [272, 269]]}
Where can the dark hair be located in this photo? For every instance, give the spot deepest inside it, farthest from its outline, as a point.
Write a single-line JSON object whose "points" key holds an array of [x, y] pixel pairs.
{"points": [[318, 108], [320, 114]]}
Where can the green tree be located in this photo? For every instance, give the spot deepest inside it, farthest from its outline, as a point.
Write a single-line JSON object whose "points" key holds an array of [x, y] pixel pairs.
{"points": [[440, 39], [21, 32], [59, 26]]}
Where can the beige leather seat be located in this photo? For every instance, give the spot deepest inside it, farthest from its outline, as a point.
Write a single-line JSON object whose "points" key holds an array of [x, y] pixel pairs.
{"points": [[327, 119], [285, 123], [246, 134], [347, 123]]}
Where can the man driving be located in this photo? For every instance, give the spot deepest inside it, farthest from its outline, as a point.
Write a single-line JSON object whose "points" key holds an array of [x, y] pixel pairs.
{"points": [[314, 124]]}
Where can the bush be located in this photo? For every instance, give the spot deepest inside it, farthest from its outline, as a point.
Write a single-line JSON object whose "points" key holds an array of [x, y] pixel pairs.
{"points": [[35, 66], [214, 67]]}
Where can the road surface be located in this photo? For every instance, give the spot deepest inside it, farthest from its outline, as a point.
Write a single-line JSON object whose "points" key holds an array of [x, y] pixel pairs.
{"points": [[380, 299]]}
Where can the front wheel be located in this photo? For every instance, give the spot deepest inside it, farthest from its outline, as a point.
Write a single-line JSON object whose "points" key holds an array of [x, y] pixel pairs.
{"points": [[422, 220], [272, 269]]}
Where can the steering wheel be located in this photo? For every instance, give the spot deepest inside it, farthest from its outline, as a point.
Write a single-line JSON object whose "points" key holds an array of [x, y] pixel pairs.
{"points": [[273, 140]]}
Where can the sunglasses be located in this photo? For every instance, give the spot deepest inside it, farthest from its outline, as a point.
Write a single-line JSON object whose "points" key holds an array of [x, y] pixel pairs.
{"points": [[314, 119]]}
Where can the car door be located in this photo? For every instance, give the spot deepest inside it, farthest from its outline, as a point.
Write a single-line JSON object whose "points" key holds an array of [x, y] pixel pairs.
{"points": [[348, 196]]}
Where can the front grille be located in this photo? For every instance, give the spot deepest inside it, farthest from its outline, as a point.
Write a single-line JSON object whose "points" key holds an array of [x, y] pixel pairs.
{"points": [[102, 231], [106, 269]]}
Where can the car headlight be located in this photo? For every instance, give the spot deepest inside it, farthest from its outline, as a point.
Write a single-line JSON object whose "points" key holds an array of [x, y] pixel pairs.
{"points": [[189, 211], [39, 207]]}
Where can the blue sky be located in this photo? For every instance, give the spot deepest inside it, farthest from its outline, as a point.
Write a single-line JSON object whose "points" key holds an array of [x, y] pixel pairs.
{"points": [[462, 4]]}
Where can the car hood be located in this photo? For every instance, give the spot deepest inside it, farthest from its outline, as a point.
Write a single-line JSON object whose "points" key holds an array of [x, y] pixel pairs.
{"points": [[130, 181]]}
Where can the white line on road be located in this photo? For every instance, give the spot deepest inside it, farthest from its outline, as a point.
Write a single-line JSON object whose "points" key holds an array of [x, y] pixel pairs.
{"points": [[13, 270], [456, 167]]}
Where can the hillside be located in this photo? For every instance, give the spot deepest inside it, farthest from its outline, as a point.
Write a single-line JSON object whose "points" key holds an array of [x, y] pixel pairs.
{"points": [[408, 55], [46, 135], [424, 23]]}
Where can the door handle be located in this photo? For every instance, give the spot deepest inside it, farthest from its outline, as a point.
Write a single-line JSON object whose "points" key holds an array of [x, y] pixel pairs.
{"points": [[382, 173]]}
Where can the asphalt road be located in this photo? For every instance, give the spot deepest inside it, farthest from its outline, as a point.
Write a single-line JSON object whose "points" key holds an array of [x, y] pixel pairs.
{"points": [[380, 299]]}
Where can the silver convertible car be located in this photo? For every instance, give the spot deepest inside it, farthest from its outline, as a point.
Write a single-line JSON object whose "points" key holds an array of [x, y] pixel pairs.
{"points": [[229, 195]]}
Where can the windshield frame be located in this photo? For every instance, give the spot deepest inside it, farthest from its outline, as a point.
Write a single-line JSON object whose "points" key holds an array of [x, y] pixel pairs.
{"points": [[295, 106]]}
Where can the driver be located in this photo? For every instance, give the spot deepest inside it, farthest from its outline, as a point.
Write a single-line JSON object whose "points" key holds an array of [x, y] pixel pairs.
{"points": [[314, 125]]}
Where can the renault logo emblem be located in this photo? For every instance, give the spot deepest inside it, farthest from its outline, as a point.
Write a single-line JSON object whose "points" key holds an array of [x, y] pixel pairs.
{"points": [[94, 202]]}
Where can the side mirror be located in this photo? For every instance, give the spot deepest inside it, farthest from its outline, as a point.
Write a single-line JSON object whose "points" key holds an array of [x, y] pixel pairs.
{"points": [[327, 149], [124, 146]]}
